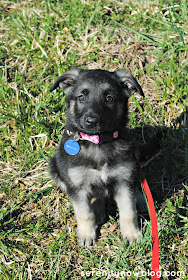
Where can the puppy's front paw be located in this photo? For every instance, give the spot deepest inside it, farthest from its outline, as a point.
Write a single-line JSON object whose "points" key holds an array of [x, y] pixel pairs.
{"points": [[86, 237], [131, 233]]}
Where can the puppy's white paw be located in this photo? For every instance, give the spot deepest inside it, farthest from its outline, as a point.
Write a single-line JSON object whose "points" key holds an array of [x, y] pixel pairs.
{"points": [[131, 233], [84, 242], [86, 237]]}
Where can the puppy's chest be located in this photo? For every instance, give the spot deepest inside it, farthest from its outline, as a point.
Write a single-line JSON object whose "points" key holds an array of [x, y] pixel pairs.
{"points": [[83, 176], [99, 169]]}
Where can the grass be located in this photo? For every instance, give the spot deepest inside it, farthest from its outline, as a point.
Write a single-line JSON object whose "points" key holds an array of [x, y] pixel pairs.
{"points": [[39, 41]]}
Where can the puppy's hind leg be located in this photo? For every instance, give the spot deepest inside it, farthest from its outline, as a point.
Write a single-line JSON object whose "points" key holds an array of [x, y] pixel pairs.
{"points": [[127, 211], [98, 206], [55, 174]]}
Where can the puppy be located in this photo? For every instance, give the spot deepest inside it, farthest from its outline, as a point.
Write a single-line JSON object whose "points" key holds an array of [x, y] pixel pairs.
{"points": [[94, 159]]}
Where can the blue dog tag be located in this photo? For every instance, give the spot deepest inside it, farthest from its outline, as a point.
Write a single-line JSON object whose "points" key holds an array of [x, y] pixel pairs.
{"points": [[72, 147]]}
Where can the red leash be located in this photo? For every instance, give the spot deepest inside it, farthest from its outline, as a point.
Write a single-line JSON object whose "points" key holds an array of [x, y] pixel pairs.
{"points": [[155, 240]]}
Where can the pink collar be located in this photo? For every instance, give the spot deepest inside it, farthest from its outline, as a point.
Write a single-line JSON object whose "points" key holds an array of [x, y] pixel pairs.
{"points": [[92, 138]]}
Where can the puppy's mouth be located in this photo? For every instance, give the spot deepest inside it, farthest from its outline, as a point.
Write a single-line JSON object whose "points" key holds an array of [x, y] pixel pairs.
{"points": [[95, 124], [91, 131], [90, 125], [98, 129]]}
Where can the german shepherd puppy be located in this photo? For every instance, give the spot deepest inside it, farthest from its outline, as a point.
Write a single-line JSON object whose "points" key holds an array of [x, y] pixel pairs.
{"points": [[94, 159]]}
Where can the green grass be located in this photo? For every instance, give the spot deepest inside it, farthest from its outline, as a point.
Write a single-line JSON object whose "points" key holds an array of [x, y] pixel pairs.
{"points": [[39, 41]]}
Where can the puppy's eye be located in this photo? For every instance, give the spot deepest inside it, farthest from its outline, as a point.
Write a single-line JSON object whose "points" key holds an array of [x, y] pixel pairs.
{"points": [[109, 99], [85, 91], [81, 98]]}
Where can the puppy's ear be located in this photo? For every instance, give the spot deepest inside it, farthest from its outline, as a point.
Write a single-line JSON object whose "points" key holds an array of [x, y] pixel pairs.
{"points": [[67, 80], [128, 82]]}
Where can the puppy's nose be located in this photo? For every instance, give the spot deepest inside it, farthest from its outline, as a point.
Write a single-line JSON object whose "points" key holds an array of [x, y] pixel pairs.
{"points": [[92, 121]]}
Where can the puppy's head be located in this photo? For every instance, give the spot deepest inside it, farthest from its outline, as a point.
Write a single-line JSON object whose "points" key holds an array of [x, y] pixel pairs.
{"points": [[97, 99]]}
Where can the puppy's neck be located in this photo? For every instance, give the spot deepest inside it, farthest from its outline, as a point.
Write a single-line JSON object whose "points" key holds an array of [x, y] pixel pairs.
{"points": [[96, 139]]}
